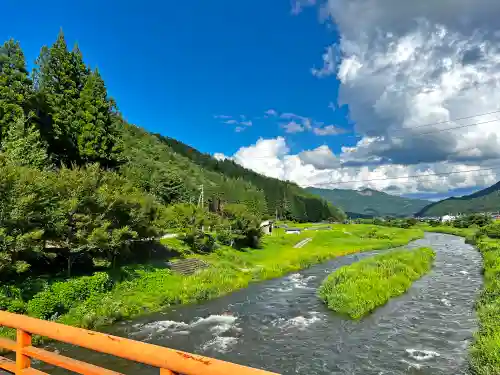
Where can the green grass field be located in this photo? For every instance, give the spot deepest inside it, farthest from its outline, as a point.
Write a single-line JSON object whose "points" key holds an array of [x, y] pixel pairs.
{"points": [[358, 289]]}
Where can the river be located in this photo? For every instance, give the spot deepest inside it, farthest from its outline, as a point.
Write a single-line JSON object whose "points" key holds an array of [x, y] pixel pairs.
{"points": [[280, 325]]}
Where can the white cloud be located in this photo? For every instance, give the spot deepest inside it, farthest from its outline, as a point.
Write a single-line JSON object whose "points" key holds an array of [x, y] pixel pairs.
{"points": [[409, 71], [293, 127], [271, 113], [320, 167], [241, 122], [298, 5], [298, 124], [328, 130], [404, 64]]}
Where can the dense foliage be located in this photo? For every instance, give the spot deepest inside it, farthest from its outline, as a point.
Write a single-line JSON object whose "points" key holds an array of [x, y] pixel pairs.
{"points": [[359, 288], [486, 200], [284, 199], [370, 203]]}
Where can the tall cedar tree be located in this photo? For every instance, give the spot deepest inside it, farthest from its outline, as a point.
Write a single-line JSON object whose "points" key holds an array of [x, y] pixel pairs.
{"points": [[60, 77], [94, 121], [15, 85]]}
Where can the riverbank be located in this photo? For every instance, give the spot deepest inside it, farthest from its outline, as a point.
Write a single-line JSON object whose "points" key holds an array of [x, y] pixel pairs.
{"points": [[358, 289], [485, 351], [150, 289]]}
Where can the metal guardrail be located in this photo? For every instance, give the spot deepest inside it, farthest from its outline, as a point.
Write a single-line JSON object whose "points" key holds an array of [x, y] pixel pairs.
{"points": [[168, 361]]}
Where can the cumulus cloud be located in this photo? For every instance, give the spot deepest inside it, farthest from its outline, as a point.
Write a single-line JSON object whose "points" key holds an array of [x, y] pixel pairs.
{"points": [[404, 64], [422, 81], [322, 168]]}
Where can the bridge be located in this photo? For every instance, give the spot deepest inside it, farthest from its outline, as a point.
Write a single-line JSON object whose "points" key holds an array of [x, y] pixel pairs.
{"points": [[168, 361]]}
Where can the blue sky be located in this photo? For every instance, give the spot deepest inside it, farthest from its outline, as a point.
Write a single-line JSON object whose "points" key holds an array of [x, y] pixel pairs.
{"points": [[172, 66], [204, 71]]}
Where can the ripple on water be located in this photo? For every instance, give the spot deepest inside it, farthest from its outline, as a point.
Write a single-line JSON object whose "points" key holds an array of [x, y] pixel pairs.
{"points": [[422, 354], [220, 326]]}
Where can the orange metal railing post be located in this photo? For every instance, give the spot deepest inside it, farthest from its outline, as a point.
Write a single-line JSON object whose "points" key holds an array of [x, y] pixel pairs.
{"points": [[22, 361]]}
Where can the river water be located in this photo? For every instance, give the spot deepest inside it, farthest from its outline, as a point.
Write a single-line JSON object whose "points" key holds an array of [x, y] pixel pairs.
{"points": [[280, 325]]}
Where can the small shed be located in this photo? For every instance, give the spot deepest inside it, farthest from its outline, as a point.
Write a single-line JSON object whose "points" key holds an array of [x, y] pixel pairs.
{"points": [[267, 227], [292, 231]]}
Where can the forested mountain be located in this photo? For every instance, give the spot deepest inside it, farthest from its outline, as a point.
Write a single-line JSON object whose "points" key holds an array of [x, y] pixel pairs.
{"points": [[285, 198], [486, 200], [79, 184], [370, 203]]}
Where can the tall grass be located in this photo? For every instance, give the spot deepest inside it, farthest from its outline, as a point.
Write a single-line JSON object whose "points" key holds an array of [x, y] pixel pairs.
{"points": [[357, 289], [485, 351]]}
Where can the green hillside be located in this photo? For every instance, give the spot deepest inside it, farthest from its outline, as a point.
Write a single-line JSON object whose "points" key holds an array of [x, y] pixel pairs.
{"points": [[486, 200], [370, 203], [285, 198]]}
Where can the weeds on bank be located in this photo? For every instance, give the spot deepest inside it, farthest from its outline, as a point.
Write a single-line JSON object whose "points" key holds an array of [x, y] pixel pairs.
{"points": [[357, 289]]}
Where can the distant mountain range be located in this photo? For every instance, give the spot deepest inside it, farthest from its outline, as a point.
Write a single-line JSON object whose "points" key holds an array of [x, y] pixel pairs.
{"points": [[368, 203], [486, 200]]}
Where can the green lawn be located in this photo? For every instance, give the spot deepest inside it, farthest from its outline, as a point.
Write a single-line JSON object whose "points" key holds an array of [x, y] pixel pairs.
{"points": [[358, 289]]}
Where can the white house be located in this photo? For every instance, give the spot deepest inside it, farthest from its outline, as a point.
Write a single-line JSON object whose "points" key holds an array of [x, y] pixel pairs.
{"points": [[447, 218], [267, 227], [292, 231]]}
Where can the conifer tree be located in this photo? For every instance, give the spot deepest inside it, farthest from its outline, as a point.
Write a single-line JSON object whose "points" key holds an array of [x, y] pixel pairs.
{"points": [[94, 123], [59, 78], [15, 85]]}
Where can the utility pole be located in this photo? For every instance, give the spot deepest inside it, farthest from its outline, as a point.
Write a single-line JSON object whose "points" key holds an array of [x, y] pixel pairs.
{"points": [[201, 198]]}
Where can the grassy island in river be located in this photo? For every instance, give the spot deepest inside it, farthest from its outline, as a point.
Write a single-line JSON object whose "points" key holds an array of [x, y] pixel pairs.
{"points": [[359, 288]]}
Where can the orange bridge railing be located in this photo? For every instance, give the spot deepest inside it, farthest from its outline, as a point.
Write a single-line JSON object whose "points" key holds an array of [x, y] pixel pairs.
{"points": [[168, 361]]}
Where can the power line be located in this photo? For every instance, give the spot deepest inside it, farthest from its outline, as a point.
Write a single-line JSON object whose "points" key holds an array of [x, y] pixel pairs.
{"points": [[409, 177], [454, 128], [454, 120]]}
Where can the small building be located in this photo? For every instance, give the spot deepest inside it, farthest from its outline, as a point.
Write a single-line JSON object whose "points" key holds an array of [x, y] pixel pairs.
{"points": [[447, 218], [267, 227], [292, 231]]}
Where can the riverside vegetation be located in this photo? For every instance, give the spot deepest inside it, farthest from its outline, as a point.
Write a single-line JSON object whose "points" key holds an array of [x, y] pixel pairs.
{"points": [[357, 289], [94, 301], [485, 350]]}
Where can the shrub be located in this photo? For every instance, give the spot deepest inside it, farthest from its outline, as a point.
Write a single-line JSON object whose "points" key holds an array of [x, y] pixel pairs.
{"points": [[492, 230], [359, 288], [60, 297]]}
